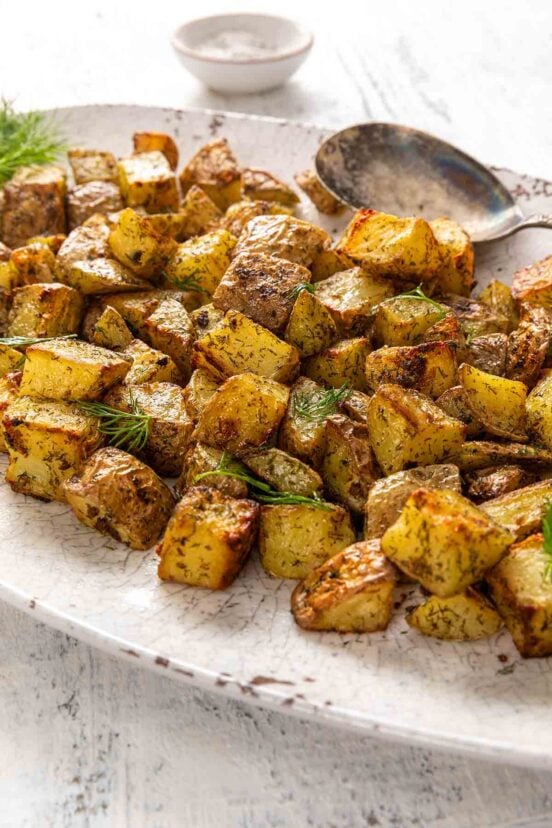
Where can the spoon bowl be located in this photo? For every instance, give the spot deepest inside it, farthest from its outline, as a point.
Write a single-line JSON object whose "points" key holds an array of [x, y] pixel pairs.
{"points": [[399, 170]]}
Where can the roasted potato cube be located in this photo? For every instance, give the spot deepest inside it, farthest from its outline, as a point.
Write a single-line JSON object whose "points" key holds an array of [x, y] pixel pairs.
{"points": [[170, 329], [286, 237], [146, 180], [200, 263], [387, 496], [313, 188], [430, 367], [476, 318], [244, 412], [214, 168], [468, 616], [310, 328], [47, 442], [522, 593], [283, 472], [341, 363], [156, 141], [408, 429], [528, 347], [45, 310], [34, 204], [260, 184], [67, 369], [261, 287], [170, 429], [139, 246], [120, 496], [454, 403], [83, 244], [401, 321], [201, 459], [9, 391], [498, 403], [478, 454], [9, 276], [487, 484], [5, 252], [328, 262], [168, 224], [102, 276], [206, 318], [304, 436], [200, 213], [149, 365], [444, 541], [352, 592], [355, 405], [10, 359], [521, 511], [110, 330], [533, 284], [198, 392], [350, 297], [487, 353], [136, 308], [455, 275], [390, 246], [539, 412], [208, 539], [86, 200], [238, 214], [238, 344], [348, 467], [92, 165], [498, 297], [293, 539], [33, 263], [448, 329]]}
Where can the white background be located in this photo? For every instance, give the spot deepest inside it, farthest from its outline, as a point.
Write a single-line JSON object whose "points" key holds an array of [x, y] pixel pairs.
{"points": [[87, 741]]}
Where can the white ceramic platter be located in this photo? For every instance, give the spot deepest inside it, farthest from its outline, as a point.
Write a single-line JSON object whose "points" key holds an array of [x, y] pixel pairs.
{"points": [[474, 697]]}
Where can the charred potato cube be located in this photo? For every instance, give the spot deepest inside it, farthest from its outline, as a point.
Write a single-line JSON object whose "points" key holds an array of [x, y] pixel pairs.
{"points": [[120, 496], [34, 204], [110, 330], [200, 263], [200, 214], [352, 592], [149, 365], [430, 368], [401, 321], [198, 392], [238, 214], [304, 436], [285, 237], [214, 168], [200, 460], [208, 539], [313, 188], [341, 363], [498, 403], [539, 412], [261, 184], [156, 142], [170, 329], [86, 200], [348, 466], [33, 263], [350, 297], [139, 246], [146, 180], [455, 275], [92, 165], [468, 616], [310, 328], [283, 472], [444, 541], [533, 284], [520, 511], [45, 310]]}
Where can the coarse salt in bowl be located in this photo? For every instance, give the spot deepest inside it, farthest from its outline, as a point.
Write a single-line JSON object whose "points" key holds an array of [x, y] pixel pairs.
{"points": [[242, 53]]}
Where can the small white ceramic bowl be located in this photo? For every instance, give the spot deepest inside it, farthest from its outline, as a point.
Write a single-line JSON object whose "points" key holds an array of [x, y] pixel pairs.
{"points": [[266, 50]]}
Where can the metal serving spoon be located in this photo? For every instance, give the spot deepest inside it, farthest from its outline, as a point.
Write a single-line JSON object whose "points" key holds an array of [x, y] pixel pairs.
{"points": [[403, 171]]}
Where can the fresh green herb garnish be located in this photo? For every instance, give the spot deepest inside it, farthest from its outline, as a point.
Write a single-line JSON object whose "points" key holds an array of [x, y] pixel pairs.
{"points": [[189, 283], [547, 535], [25, 341], [317, 405], [295, 291], [26, 138], [263, 492], [123, 428], [418, 295]]}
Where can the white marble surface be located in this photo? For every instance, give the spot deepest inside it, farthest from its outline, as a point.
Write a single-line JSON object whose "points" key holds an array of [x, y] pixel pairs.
{"points": [[85, 740]]}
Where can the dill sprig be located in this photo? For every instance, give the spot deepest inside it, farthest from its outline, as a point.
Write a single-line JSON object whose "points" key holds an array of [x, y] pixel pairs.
{"points": [[188, 283], [128, 429], [317, 405], [26, 341], [263, 492], [295, 291], [26, 138], [418, 294], [547, 535]]}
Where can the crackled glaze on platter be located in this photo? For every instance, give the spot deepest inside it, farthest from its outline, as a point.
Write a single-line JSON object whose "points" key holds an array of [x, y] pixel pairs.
{"points": [[475, 697]]}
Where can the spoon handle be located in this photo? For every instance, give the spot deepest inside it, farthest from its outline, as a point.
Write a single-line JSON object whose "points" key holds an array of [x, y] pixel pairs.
{"points": [[536, 220]]}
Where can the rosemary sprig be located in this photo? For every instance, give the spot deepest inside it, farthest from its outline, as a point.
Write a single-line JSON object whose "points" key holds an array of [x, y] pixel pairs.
{"points": [[263, 492], [418, 295], [316, 405], [547, 535], [295, 291], [26, 138], [123, 428], [25, 341]]}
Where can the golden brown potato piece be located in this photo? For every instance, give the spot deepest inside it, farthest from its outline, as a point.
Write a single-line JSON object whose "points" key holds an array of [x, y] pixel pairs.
{"points": [[533, 284], [9, 391], [283, 472], [198, 392], [286, 237], [478, 454], [136, 308], [45, 310], [206, 318], [304, 436], [32, 263], [455, 275], [328, 262], [444, 541], [136, 243], [387, 496], [341, 363], [468, 616], [528, 347], [311, 328], [170, 330], [92, 165], [201, 459], [348, 467], [352, 592], [149, 365], [521, 511], [350, 297], [486, 484], [110, 330], [430, 368], [498, 403], [539, 412], [498, 297], [102, 276], [260, 184], [407, 428], [10, 359], [85, 200], [200, 263], [238, 214], [160, 141], [454, 402], [261, 287], [146, 180], [120, 496], [214, 168], [313, 188], [404, 321], [244, 412], [476, 318], [293, 539], [208, 539], [200, 213], [84, 243], [34, 204]]}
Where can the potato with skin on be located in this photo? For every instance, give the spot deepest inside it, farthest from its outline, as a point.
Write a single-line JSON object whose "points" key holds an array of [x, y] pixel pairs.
{"points": [[300, 436], [197, 393], [521, 511], [170, 330], [260, 184], [282, 471], [539, 412], [349, 466], [386, 245], [149, 365], [310, 328], [444, 541], [120, 496], [110, 330], [533, 284], [388, 495], [313, 188], [487, 353], [408, 429], [239, 213], [102, 276], [68, 369], [355, 405], [456, 273], [146, 180], [285, 237], [44, 310], [343, 362], [328, 262], [430, 368], [401, 321], [522, 593], [447, 329], [351, 592], [92, 165], [237, 345], [215, 169], [85, 200], [9, 391], [476, 318], [478, 454], [454, 402], [261, 287], [136, 308], [33, 263], [528, 347], [208, 538], [201, 459], [34, 204], [199, 214], [139, 246], [83, 244], [499, 298], [244, 412], [468, 616], [495, 481], [350, 297], [498, 403], [295, 538], [47, 441], [201, 261], [156, 141]]}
